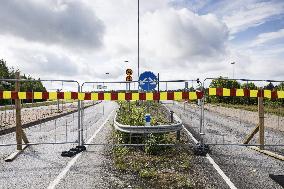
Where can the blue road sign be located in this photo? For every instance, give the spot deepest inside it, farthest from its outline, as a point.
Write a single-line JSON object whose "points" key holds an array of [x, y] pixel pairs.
{"points": [[148, 81]]}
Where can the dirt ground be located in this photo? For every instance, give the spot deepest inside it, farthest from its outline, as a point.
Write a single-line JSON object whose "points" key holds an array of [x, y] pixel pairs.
{"points": [[271, 121]]}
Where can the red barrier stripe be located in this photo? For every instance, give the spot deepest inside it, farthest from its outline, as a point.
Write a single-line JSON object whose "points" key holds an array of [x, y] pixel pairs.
{"points": [[14, 95], [87, 96], [156, 96], [101, 96], [219, 92], [142, 96], [233, 92], [246, 92], [274, 95], [260, 93], [60, 95], [114, 96], [185, 95], [29, 95], [128, 96], [170, 95], [74, 95], [199, 94], [45, 95]]}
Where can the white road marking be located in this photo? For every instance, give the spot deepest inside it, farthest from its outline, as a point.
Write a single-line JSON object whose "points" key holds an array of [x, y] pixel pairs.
{"points": [[217, 168], [62, 174]]}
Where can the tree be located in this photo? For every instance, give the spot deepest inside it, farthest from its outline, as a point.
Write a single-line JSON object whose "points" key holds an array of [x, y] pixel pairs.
{"points": [[9, 73], [224, 83]]}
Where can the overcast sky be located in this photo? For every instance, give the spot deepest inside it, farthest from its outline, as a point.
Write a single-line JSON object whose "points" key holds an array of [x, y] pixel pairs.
{"points": [[180, 39]]}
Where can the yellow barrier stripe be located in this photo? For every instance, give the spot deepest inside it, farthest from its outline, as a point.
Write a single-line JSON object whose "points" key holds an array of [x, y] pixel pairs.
{"points": [[163, 95], [94, 96], [37, 95], [253, 93], [240, 92], [267, 93], [22, 95], [107, 96], [67, 95], [81, 96], [121, 96], [226, 92], [212, 91], [135, 96], [177, 95], [192, 96], [149, 96], [52, 95], [7, 94], [280, 94]]}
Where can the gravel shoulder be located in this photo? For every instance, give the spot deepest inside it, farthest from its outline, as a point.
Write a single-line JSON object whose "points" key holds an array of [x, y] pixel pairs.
{"points": [[246, 168]]}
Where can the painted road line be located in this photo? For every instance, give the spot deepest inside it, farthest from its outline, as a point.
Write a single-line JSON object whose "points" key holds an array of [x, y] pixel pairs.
{"points": [[216, 167], [62, 174]]}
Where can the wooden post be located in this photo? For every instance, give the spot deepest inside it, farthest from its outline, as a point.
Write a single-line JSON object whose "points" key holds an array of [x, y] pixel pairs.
{"points": [[20, 135], [261, 122], [18, 115]]}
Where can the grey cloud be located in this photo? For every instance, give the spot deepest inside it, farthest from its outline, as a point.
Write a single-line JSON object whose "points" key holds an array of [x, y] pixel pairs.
{"points": [[45, 64], [68, 23], [57, 65]]}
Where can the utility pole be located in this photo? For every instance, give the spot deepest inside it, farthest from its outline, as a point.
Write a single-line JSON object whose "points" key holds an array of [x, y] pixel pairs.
{"points": [[138, 40]]}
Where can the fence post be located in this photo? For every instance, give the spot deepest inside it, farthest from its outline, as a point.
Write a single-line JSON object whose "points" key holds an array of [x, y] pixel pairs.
{"points": [[261, 122], [79, 117], [82, 120]]}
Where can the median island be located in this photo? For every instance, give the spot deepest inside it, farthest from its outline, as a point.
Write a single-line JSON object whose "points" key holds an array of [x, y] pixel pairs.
{"points": [[151, 163]]}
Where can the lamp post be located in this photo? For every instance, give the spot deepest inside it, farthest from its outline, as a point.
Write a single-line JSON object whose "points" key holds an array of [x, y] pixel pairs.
{"points": [[138, 42], [233, 63]]}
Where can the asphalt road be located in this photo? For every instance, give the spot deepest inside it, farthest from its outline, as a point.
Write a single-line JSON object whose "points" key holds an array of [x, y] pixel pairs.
{"points": [[40, 166], [246, 168]]}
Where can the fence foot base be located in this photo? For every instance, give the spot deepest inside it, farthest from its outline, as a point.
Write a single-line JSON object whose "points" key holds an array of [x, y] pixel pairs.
{"points": [[201, 149], [269, 153], [15, 154], [73, 151]]}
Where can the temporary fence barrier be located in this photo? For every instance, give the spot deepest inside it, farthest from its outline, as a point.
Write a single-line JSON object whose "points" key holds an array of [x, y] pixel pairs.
{"points": [[230, 106]]}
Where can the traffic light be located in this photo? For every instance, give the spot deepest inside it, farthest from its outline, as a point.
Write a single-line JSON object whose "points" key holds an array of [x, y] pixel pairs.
{"points": [[129, 74]]}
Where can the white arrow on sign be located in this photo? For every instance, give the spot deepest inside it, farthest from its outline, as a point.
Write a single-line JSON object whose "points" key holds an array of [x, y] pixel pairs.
{"points": [[149, 80], [143, 81], [152, 82]]}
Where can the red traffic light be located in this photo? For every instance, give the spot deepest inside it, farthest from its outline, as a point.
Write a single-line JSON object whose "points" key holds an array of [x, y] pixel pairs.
{"points": [[129, 71]]}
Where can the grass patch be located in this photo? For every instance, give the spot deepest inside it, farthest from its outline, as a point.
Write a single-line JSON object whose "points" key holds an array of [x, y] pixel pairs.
{"points": [[133, 113], [154, 165]]}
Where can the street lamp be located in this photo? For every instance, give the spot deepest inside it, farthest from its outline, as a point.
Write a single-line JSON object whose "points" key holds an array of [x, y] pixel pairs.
{"points": [[138, 42], [233, 63]]}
